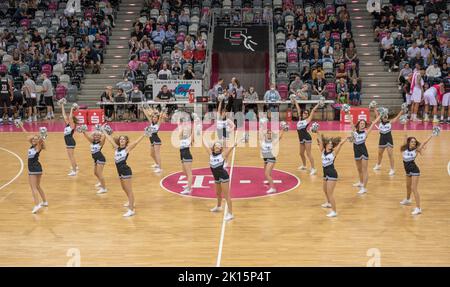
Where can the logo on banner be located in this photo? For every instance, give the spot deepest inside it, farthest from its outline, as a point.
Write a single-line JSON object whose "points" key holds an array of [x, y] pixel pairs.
{"points": [[182, 89], [239, 36]]}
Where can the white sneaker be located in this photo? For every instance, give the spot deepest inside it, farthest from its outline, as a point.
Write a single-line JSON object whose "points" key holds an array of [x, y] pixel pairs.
{"points": [[157, 170], [228, 217], [129, 213], [155, 165], [98, 185], [362, 190], [332, 214], [35, 119], [126, 204], [36, 208], [391, 172], [44, 204], [186, 192], [216, 209], [358, 184], [377, 167], [406, 201], [30, 119], [313, 171], [302, 167], [416, 211], [271, 190], [102, 190], [72, 173], [326, 205]]}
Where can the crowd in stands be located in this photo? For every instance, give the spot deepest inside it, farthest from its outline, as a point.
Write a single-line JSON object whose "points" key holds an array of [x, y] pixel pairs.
{"points": [[315, 47], [414, 35], [61, 39]]}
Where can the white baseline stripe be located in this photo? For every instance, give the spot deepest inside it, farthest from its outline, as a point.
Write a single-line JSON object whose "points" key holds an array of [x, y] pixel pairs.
{"points": [[222, 233], [15, 177], [245, 181]]}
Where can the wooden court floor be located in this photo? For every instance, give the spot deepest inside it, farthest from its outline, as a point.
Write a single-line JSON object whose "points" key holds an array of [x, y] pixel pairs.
{"points": [[289, 229]]}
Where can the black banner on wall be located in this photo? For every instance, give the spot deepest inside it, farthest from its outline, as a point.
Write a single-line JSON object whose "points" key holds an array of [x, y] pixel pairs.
{"points": [[241, 39]]}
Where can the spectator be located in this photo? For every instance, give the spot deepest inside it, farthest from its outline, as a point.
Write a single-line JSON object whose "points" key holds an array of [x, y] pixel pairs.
{"points": [[319, 85], [355, 92], [433, 73], [125, 85], [134, 64], [189, 73], [291, 44], [164, 73], [296, 84], [386, 44], [171, 35], [353, 72], [136, 96], [165, 95], [327, 52], [92, 58], [351, 55], [251, 95], [61, 57], [413, 51], [341, 72], [108, 97], [29, 88], [47, 90], [158, 35], [120, 97], [272, 95], [342, 92]]}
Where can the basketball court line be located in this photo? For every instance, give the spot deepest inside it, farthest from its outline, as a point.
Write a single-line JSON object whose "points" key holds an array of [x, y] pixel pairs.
{"points": [[15, 177]]}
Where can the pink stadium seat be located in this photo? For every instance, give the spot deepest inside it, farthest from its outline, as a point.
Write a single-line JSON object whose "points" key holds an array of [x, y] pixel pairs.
{"points": [[47, 69], [61, 92], [283, 90], [292, 57], [3, 69], [331, 89]]}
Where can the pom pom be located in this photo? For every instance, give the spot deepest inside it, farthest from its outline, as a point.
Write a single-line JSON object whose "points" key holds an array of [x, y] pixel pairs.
{"points": [[436, 130], [148, 131], [62, 101], [17, 123], [98, 128], [314, 127], [346, 108], [372, 104], [284, 126], [292, 97], [321, 102], [404, 108], [403, 119], [221, 97], [82, 128], [108, 130], [75, 106], [43, 132], [384, 112]]}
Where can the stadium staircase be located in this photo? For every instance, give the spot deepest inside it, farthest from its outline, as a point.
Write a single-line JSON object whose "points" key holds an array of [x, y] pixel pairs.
{"points": [[377, 83], [116, 58]]}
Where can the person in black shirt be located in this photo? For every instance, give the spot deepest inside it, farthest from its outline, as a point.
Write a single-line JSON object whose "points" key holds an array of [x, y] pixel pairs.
{"points": [[165, 95], [137, 33], [189, 73], [108, 97], [93, 58]]}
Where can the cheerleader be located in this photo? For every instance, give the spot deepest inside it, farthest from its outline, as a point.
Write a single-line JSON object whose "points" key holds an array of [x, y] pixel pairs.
{"points": [[123, 147], [155, 118], [217, 154], [224, 126], [330, 148], [97, 140], [304, 137], [69, 130], [186, 137], [35, 171], [386, 142], [410, 149], [267, 145], [360, 135]]}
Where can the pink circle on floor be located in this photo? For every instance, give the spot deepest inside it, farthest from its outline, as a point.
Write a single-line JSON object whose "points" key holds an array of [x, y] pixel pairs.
{"points": [[246, 182]]}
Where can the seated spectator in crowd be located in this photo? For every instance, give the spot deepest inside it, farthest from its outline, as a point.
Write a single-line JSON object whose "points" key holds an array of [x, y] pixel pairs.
{"points": [[108, 97], [351, 55], [433, 73], [200, 49], [177, 54], [338, 54], [272, 95], [134, 64], [413, 51], [386, 45], [354, 89], [417, 61], [404, 74], [61, 57], [425, 54], [120, 97], [341, 72], [183, 19], [319, 85], [171, 35], [327, 52], [189, 43], [295, 85], [164, 73], [189, 73], [125, 85], [342, 92], [165, 95], [176, 68], [158, 35], [353, 72], [251, 95], [136, 96], [137, 32], [154, 53], [291, 44], [93, 59]]}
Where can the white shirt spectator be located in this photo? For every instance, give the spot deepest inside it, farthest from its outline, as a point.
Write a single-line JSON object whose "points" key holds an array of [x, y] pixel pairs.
{"points": [[291, 45], [61, 58], [433, 72], [425, 52], [412, 52], [386, 42], [164, 74], [401, 14]]}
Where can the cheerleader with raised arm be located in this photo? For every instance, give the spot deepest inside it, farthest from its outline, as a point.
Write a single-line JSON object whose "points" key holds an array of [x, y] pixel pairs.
{"points": [[186, 136], [267, 143], [330, 148], [360, 134], [224, 126], [386, 141], [122, 148], [155, 119], [305, 140], [217, 154], [97, 140], [410, 149], [35, 170], [69, 130]]}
